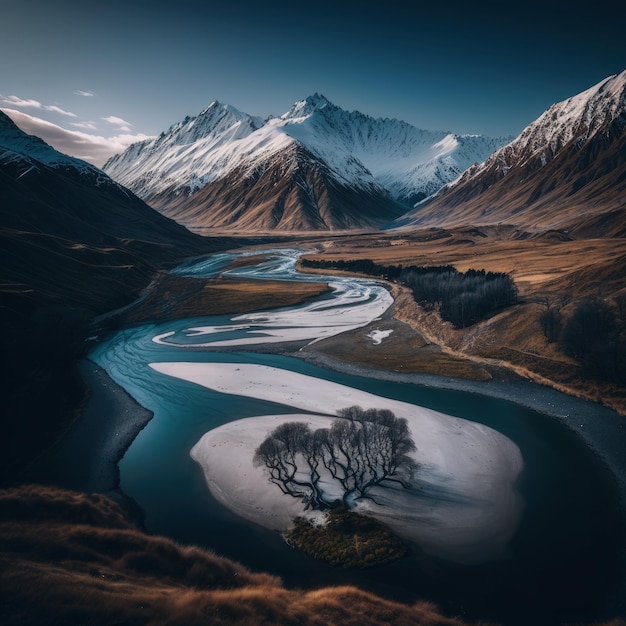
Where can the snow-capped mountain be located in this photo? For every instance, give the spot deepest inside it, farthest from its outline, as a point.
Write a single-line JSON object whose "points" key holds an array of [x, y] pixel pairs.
{"points": [[566, 170], [409, 162], [315, 167]]}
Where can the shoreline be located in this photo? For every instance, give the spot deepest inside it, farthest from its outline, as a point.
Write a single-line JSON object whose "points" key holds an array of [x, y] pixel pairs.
{"points": [[581, 416], [601, 429], [96, 441]]}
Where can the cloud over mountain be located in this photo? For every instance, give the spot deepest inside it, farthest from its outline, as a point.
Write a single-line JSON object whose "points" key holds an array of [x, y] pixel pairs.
{"points": [[93, 148]]}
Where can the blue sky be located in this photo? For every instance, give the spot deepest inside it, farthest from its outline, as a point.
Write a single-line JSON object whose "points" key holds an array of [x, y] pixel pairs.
{"points": [[91, 77]]}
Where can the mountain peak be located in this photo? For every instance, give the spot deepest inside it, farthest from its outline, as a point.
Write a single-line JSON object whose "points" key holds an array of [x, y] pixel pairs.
{"points": [[564, 167], [237, 163], [217, 106], [309, 105]]}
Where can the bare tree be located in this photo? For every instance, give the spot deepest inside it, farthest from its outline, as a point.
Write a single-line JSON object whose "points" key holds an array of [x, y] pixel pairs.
{"points": [[361, 449], [289, 444]]}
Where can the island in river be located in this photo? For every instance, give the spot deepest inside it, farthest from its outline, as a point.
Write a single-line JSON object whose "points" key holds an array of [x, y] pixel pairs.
{"points": [[381, 325]]}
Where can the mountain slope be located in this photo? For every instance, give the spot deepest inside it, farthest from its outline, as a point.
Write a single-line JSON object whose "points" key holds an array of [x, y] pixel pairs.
{"points": [[565, 170], [65, 225], [409, 162], [315, 167], [291, 190], [73, 244]]}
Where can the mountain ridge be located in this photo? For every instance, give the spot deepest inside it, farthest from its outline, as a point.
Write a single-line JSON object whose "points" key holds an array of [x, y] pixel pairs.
{"points": [[65, 223], [373, 161], [564, 170]]}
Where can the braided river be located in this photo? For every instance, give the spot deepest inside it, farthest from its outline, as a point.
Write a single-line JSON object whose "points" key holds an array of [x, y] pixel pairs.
{"points": [[512, 515]]}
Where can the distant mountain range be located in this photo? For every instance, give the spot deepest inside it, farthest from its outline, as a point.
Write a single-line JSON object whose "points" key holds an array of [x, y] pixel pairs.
{"points": [[566, 170], [317, 167]]}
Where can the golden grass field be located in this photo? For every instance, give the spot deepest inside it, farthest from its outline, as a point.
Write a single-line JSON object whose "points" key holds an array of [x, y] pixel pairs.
{"points": [[547, 267], [177, 297]]}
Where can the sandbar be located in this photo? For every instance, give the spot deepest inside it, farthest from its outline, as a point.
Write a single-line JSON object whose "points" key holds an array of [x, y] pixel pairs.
{"points": [[465, 505]]}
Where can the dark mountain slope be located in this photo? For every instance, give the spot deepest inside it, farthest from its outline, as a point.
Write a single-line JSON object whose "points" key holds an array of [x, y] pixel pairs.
{"points": [[73, 244]]}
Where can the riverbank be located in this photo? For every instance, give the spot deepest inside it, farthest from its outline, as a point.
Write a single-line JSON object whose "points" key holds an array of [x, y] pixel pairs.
{"points": [[401, 354], [525, 392], [86, 458], [602, 429], [572, 548]]}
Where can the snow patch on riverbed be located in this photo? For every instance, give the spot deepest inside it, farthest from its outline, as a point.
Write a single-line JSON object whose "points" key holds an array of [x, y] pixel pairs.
{"points": [[378, 335], [464, 507]]}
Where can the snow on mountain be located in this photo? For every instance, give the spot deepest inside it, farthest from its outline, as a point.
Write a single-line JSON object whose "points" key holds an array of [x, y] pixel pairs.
{"points": [[16, 145], [576, 119], [193, 152], [567, 164], [409, 162], [382, 155]]}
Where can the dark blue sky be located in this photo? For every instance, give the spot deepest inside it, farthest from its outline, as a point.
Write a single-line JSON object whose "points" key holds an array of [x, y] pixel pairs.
{"points": [[469, 68]]}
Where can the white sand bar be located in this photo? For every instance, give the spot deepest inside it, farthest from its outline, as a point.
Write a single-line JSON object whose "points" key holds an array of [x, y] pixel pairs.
{"points": [[464, 507], [354, 303]]}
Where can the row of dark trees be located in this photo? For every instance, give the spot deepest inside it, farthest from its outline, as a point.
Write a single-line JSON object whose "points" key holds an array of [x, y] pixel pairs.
{"points": [[360, 450], [462, 298], [595, 334]]}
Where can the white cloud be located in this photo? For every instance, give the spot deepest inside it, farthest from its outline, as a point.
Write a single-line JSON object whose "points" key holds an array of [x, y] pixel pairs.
{"points": [[122, 124], [34, 104], [84, 125], [56, 109], [20, 102], [86, 94], [93, 148]]}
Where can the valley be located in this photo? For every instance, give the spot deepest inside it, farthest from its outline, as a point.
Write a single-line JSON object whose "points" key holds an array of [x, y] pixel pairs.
{"points": [[547, 272], [169, 300], [159, 460]]}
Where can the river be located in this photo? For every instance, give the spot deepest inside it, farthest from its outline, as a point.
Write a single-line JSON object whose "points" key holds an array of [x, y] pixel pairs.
{"points": [[562, 562]]}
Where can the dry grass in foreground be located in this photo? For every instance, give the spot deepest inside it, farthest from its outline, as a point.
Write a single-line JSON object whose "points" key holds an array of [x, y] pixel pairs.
{"points": [[69, 558], [72, 559]]}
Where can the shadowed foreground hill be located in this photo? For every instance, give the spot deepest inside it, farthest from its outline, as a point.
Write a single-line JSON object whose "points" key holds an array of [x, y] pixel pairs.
{"points": [[73, 244], [86, 564]]}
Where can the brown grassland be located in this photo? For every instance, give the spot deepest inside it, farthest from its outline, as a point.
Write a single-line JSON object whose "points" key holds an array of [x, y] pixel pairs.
{"points": [[177, 297], [69, 558], [546, 268], [90, 565]]}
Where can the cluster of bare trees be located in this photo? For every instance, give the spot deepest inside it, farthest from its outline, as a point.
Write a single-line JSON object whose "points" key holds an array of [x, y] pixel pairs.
{"points": [[361, 449]]}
